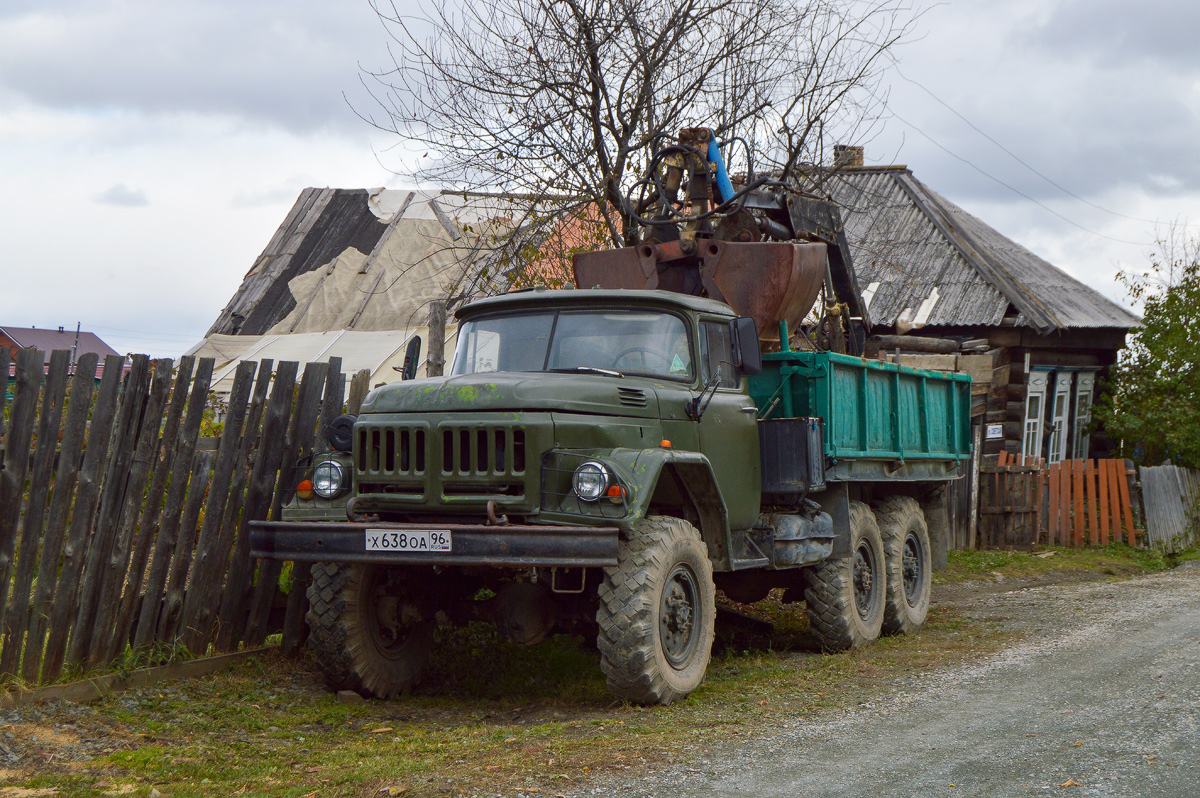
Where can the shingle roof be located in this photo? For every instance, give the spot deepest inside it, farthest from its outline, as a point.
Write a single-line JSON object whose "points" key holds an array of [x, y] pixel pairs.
{"points": [[48, 340], [922, 259]]}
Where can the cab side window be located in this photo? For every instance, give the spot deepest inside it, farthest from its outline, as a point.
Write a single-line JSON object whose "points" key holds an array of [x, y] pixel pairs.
{"points": [[716, 353]]}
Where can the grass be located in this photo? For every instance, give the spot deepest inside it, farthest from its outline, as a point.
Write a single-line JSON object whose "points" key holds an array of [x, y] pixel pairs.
{"points": [[1116, 559], [495, 719]]}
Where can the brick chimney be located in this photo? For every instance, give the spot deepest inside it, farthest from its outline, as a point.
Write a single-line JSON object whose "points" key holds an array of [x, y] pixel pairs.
{"points": [[847, 155]]}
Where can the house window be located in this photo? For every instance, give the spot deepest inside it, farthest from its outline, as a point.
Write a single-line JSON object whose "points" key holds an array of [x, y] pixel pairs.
{"points": [[1084, 396], [1035, 404], [1059, 417]]}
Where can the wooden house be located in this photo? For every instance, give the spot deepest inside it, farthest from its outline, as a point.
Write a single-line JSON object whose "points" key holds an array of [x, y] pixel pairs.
{"points": [[1037, 341]]}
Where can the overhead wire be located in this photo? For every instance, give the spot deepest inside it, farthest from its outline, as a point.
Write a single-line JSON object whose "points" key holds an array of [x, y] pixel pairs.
{"points": [[1011, 187], [1013, 155]]}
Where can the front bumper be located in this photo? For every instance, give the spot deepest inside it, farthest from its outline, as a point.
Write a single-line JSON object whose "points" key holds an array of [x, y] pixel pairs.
{"points": [[473, 544]]}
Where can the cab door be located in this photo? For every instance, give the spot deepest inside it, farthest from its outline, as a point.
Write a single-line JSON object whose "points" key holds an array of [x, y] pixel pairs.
{"points": [[729, 427]]}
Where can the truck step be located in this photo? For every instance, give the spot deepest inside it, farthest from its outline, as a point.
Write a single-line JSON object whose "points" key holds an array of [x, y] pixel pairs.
{"points": [[755, 562]]}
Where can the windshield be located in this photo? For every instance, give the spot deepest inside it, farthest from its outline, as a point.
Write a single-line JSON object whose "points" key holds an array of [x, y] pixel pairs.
{"points": [[625, 341]]}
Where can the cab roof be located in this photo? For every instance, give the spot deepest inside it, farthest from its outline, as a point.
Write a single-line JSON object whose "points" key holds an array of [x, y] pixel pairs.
{"points": [[592, 297]]}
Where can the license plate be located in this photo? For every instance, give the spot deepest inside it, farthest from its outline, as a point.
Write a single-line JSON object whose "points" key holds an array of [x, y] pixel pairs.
{"points": [[408, 540]]}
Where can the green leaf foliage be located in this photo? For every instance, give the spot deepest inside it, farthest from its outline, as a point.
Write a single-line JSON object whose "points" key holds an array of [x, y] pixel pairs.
{"points": [[1152, 405]]}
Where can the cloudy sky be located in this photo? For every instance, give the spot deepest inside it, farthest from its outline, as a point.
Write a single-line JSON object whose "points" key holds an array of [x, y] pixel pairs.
{"points": [[149, 149]]}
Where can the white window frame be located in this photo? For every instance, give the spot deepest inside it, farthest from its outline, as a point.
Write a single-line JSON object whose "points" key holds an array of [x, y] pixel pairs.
{"points": [[1060, 417], [1085, 396], [1035, 408]]}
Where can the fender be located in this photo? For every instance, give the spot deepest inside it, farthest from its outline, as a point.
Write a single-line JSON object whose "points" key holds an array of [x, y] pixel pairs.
{"points": [[690, 474]]}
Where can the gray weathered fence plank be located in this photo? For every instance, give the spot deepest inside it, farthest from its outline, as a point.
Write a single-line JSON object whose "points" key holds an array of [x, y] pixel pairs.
{"points": [[5, 362], [17, 615], [360, 386], [235, 598], [173, 507], [1169, 504], [236, 507], [79, 403], [117, 565], [16, 460], [74, 548], [299, 436], [198, 617], [116, 476], [147, 525], [172, 603]]}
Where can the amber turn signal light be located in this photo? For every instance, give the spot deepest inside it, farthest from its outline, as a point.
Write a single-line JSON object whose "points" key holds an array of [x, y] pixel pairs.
{"points": [[305, 490]]}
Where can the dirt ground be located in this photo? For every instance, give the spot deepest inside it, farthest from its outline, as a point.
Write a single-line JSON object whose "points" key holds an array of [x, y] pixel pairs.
{"points": [[48, 740], [1098, 698]]}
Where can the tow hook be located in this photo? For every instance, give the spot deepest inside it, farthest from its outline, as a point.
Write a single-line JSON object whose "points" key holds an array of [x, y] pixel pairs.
{"points": [[493, 518]]}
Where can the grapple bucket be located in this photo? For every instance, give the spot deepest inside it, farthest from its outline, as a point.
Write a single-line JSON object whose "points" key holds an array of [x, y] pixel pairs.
{"points": [[768, 281]]}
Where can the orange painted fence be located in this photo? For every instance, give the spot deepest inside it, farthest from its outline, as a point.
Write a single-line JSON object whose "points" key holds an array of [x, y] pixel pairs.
{"points": [[1025, 503]]}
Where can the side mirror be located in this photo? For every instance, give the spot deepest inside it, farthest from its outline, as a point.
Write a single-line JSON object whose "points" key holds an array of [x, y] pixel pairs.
{"points": [[747, 355], [411, 356]]}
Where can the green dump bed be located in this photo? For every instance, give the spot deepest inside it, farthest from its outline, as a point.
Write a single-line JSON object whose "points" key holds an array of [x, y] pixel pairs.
{"points": [[871, 410]]}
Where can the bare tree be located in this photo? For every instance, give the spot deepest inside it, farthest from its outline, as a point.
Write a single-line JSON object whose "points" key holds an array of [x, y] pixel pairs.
{"points": [[564, 101]]}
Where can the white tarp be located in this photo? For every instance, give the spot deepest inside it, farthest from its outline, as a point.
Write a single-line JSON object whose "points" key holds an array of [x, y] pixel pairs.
{"points": [[380, 352]]}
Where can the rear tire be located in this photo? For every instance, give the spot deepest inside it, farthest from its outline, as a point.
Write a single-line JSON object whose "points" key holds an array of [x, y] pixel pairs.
{"points": [[657, 613], [365, 631], [845, 597], [909, 564]]}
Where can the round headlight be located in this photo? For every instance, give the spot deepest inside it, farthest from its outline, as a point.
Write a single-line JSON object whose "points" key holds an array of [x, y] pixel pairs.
{"points": [[591, 481], [329, 479]]}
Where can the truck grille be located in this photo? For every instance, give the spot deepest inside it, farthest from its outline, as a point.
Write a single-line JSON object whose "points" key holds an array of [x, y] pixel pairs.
{"points": [[394, 451], [483, 450], [391, 451]]}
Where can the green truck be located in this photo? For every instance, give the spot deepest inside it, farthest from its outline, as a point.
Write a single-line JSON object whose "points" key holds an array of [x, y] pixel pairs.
{"points": [[603, 461]]}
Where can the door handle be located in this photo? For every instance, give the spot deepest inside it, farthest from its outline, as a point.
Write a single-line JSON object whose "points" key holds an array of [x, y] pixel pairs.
{"points": [[750, 409]]}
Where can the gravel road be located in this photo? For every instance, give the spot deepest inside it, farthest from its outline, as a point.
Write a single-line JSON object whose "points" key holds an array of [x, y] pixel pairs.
{"points": [[1101, 698]]}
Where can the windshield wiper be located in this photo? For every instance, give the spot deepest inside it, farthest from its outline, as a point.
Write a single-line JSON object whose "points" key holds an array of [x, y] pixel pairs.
{"points": [[587, 370]]}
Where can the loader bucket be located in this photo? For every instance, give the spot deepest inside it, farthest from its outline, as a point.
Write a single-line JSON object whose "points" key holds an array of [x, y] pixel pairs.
{"points": [[768, 281]]}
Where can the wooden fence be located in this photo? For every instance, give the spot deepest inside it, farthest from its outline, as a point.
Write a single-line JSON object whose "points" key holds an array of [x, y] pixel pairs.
{"points": [[123, 530], [1025, 503], [1171, 498]]}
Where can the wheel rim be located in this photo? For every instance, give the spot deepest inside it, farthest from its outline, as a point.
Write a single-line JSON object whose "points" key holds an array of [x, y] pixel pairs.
{"points": [[914, 568], [390, 619], [677, 612], [865, 586]]}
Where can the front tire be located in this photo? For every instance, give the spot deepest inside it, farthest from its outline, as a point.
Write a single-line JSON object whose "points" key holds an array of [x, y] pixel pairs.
{"points": [[657, 613], [845, 596], [909, 564], [366, 630]]}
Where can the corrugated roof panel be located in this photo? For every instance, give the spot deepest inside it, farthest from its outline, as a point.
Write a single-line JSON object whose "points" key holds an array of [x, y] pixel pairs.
{"points": [[1070, 302], [894, 243], [912, 241]]}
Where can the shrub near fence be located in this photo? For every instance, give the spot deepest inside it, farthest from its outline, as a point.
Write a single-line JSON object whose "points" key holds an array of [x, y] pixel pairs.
{"points": [[119, 532]]}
